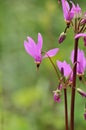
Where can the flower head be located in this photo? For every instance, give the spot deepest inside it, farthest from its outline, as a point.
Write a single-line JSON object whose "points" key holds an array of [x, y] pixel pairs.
{"points": [[66, 68], [67, 11], [35, 50], [81, 62]]}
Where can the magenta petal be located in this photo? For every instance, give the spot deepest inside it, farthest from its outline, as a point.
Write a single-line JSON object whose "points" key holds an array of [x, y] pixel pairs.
{"points": [[68, 13], [34, 49], [57, 97], [31, 42], [29, 49], [80, 35], [81, 61], [76, 9], [40, 41], [66, 67], [65, 7], [51, 53]]}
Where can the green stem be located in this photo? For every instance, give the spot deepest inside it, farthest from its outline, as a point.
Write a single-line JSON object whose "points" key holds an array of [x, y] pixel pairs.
{"points": [[54, 68], [74, 86]]}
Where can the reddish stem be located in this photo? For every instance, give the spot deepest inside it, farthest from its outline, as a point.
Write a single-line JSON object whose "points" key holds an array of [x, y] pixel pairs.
{"points": [[74, 86], [66, 109]]}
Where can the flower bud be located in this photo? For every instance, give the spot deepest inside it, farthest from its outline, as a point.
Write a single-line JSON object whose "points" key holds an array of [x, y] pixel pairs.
{"points": [[57, 95], [62, 37]]}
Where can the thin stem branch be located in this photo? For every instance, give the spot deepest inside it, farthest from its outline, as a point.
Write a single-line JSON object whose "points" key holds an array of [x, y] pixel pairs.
{"points": [[74, 86], [54, 68], [66, 109]]}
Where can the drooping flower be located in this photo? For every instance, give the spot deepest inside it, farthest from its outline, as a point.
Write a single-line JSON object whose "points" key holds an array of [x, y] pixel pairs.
{"points": [[67, 11], [81, 62], [76, 10], [35, 50], [81, 35], [66, 68]]}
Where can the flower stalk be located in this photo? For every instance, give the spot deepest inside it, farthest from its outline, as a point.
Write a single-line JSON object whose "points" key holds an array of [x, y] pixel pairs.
{"points": [[66, 109], [74, 86]]}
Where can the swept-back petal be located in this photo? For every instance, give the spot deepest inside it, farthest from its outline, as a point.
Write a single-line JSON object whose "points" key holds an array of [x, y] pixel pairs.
{"points": [[51, 53], [66, 68], [29, 49], [65, 7], [67, 11], [31, 42], [40, 41], [80, 35], [76, 9], [34, 49], [81, 61]]}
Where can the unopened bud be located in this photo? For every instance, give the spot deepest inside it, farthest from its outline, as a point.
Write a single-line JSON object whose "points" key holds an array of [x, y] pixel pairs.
{"points": [[62, 37], [57, 95]]}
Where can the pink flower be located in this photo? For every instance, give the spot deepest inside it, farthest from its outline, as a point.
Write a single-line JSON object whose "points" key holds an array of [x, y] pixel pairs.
{"points": [[66, 68], [35, 50], [81, 35], [81, 61], [77, 10], [67, 11]]}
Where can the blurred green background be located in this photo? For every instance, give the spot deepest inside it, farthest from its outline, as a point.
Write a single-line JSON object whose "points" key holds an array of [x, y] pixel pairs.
{"points": [[26, 96]]}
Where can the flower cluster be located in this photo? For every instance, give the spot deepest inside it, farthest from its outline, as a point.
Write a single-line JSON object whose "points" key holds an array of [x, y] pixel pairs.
{"points": [[71, 13], [74, 18], [68, 70]]}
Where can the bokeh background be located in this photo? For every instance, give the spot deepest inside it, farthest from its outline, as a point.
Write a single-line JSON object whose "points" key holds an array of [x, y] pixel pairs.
{"points": [[26, 96]]}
